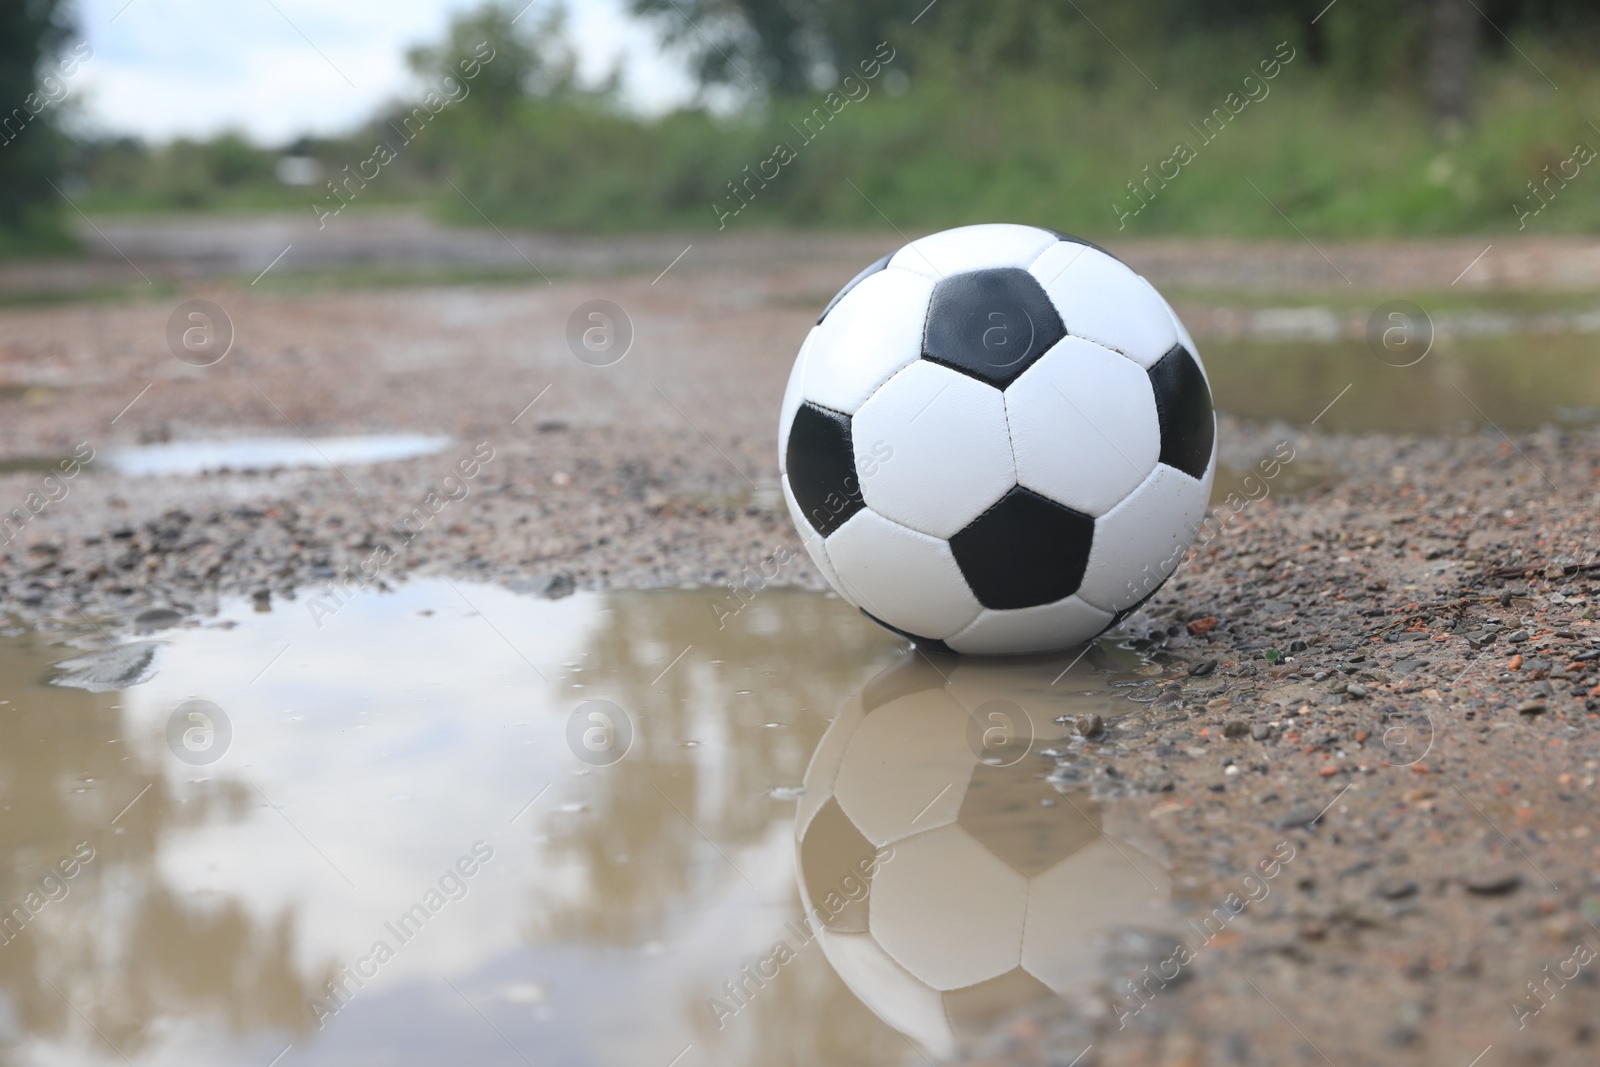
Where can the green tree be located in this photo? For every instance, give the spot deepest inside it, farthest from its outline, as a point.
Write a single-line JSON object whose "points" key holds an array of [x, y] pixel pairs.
{"points": [[500, 61], [32, 148], [1427, 47]]}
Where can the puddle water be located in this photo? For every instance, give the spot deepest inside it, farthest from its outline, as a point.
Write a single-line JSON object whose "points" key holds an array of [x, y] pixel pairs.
{"points": [[270, 453], [1520, 381], [455, 824]]}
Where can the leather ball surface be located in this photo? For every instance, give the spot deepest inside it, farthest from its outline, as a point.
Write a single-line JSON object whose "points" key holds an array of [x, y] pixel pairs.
{"points": [[997, 440]]}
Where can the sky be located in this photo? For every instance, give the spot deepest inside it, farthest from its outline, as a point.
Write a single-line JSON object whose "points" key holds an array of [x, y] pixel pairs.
{"points": [[278, 68]]}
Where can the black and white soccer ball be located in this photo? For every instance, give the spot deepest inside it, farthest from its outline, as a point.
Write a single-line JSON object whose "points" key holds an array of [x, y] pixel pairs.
{"points": [[998, 439]]}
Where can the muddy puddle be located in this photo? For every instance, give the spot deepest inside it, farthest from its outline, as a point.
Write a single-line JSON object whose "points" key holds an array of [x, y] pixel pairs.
{"points": [[1445, 384], [454, 824]]}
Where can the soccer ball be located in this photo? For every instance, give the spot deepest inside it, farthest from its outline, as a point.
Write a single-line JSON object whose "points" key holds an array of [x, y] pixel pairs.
{"points": [[942, 889], [998, 439]]}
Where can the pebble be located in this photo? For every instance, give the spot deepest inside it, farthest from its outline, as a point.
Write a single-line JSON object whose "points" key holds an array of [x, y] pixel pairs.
{"points": [[1091, 725], [1397, 889], [157, 619], [1260, 731], [1296, 818], [1492, 883], [1530, 707], [548, 586], [1355, 692], [1517, 637], [1235, 728], [1203, 668]]}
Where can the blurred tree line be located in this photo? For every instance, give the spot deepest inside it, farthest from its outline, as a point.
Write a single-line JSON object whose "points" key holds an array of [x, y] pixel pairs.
{"points": [[791, 46], [1403, 116]]}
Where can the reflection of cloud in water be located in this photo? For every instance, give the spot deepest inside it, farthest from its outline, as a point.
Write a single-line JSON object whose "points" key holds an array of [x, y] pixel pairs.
{"points": [[123, 946], [389, 741]]}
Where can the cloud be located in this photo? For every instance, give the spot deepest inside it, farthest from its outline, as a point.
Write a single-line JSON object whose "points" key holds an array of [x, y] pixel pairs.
{"points": [[279, 68]]}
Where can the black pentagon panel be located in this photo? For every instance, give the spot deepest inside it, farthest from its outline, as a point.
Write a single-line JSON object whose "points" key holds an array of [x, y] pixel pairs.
{"points": [[822, 468], [1024, 551], [1183, 402], [853, 282], [1071, 239], [1001, 811], [836, 861], [990, 324], [924, 644]]}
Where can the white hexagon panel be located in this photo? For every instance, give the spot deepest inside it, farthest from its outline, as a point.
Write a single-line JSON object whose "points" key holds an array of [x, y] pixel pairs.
{"points": [[945, 881], [946, 447], [900, 576], [869, 335], [906, 768], [1140, 542], [1084, 401], [1102, 300]]}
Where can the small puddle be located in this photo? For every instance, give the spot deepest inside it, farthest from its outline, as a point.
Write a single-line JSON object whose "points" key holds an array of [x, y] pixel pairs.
{"points": [[269, 453], [451, 819], [1518, 382]]}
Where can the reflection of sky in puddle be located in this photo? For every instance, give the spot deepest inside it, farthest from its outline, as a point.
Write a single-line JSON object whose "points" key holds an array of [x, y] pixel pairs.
{"points": [[269, 453], [408, 728]]}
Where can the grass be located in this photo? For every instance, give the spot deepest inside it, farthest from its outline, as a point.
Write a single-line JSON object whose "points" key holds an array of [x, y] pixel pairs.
{"points": [[1312, 156], [1309, 156]]}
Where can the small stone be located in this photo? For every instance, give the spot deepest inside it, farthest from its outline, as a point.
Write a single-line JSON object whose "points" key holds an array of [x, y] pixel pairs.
{"points": [[157, 619], [1355, 692], [1554, 571], [1298, 645], [1517, 637], [1320, 676], [1397, 889], [1091, 725], [548, 586], [1203, 668], [1235, 728], [1530, 707], [1203, 626], [1492, 883], [1296, 818], [1260, 731]]}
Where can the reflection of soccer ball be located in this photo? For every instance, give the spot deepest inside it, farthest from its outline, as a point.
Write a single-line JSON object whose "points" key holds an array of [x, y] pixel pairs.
{"points": [[982, 897], [997, 438]]}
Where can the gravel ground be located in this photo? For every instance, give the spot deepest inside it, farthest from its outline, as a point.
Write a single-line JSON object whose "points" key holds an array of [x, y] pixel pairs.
{"points": [[1411, 646]]}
